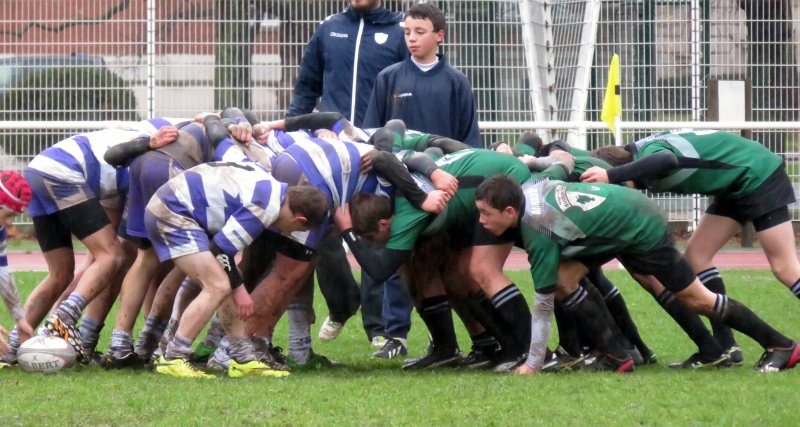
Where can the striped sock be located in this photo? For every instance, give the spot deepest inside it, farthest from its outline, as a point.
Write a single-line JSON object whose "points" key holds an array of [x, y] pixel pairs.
{"points": [[796, 288], [179, 348], [90, 333], [71, 308], [121, 342], [514, 314]]}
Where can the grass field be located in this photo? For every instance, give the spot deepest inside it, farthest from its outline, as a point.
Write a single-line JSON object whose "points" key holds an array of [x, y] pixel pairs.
{"points": [[377, 393]]}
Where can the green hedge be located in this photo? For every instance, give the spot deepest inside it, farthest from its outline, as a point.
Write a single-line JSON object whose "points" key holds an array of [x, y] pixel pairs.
{"points": [[62, 94]]}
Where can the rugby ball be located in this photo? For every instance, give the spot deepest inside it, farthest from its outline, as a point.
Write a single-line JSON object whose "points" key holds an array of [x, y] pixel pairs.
{"points": [[45, 354]]}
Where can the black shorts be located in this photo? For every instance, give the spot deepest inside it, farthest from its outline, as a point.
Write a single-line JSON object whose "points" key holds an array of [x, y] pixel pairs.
{"points": [[663, 261], [762, 206], [54, 231]]}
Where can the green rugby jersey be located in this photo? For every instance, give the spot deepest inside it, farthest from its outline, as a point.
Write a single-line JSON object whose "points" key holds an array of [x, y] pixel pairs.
{"points": [[568, 220], [711, 162], [583, 163], [413, 140], [471, 167]]}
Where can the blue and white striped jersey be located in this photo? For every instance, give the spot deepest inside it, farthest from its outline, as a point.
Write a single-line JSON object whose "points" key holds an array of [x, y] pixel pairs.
{"points": [[234, 151], [233, 202], [79, 159], [278, 140], [332, 165]]}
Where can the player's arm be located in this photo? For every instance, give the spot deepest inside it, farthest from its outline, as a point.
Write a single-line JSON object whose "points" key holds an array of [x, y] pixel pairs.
{"points": [[543, 255], [8, 291], [650, 166], [390, 168], [557, 168], [380, 264], [120, 155], [447, 145]]}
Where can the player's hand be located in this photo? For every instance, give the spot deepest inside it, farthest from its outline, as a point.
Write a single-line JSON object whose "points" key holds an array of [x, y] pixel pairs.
{"points": [[525, 370], [24, 330], [326, 133], [445, 182], [435, 202], [366, 162], [244, 304], [595, 174], [341, 218], [241, 132], [202, 116], [163, 136], [4, 347]]}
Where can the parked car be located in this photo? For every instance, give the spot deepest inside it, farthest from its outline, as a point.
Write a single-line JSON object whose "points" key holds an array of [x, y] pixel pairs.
{"points": [[16, 68]]}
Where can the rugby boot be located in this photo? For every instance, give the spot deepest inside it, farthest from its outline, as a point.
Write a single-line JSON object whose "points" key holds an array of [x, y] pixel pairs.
{"points": [[778, 359], [697, 361], [607, 362], [179, 368]]}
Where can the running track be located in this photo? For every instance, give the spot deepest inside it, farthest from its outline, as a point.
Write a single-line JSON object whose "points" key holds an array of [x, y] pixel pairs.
{"points": [[516, 261]]}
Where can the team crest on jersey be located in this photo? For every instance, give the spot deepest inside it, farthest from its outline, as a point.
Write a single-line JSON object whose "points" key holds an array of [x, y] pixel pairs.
{"points": [[567, 199], [381, 38]]}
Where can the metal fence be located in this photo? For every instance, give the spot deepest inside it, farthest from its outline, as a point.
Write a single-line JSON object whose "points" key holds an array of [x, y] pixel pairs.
{"points": [[529, 62]]}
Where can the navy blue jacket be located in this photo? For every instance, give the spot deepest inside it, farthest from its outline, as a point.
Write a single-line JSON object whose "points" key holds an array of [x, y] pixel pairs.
{"points": [[439, 101], [370, 41]]}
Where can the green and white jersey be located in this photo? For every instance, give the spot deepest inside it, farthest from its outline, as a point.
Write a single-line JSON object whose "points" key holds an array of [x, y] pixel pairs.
{"points": [[572, 220], [413, 140], [471, 167], [583, 163], [711, 162]]}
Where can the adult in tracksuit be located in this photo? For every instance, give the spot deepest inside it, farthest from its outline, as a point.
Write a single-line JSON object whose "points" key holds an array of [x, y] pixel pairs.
{"points": [[338, 69]]}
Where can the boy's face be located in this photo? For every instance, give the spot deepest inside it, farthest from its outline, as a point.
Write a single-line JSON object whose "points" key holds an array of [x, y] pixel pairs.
{"points": [[495, 220], [421, 40], [7, 217]]}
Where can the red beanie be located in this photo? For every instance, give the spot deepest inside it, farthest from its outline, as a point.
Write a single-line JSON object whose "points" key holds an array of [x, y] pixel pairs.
{"points": [[15, 193]]}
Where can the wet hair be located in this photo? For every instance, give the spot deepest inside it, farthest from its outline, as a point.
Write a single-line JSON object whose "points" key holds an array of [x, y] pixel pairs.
{"points": [[613, 155], [501, 191], [429, 11], [366, 211], [309, 202]]}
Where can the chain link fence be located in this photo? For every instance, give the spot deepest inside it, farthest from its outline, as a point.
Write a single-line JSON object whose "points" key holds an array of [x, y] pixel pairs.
{"points": [[93, 60]]}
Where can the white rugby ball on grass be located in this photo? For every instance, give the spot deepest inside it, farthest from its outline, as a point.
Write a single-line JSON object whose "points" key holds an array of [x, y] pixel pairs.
{"points": [[45, 354]]}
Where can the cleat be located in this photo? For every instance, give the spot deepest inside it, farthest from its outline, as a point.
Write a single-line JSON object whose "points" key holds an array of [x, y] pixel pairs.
{"points": [[53, 326], [606, 362], [202, 353], [563, 362], [697, 361], [218, 364], [510, 366], [476, 359], [4, 365], [146, 345], [778, 359], [118, 360], [638, 360], [394, 347], [379, 341], [735, 353], [313, 362], [179, 368], [93, 360], [650, 357], [433, 360], [330, 330], [267, 352], [255, 367]]}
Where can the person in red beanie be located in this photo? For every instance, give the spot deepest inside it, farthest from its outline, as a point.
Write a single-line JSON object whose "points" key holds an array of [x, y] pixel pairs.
{"points": [[15, 194]]}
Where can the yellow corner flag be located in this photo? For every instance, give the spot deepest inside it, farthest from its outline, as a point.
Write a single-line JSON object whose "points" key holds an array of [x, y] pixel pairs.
{"points": [[612, 106]]}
